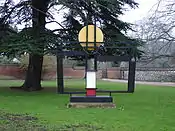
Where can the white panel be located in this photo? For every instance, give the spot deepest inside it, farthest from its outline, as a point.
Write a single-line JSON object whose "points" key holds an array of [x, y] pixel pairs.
{"points": [[91, 80]]}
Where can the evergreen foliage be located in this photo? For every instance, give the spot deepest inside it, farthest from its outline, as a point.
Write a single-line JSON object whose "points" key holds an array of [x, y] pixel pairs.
{"points": [[104, 12]]}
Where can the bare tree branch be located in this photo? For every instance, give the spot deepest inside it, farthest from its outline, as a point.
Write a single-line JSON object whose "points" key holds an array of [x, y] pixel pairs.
{"points": [[158, 30]]}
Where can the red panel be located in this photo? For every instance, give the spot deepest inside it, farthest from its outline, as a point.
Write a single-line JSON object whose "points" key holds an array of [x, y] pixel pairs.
{"points": [[90, 92]]}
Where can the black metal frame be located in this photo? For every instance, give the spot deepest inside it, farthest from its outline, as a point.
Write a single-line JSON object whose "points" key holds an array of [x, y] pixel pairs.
{"points": [[129, 58], [60, 53]]}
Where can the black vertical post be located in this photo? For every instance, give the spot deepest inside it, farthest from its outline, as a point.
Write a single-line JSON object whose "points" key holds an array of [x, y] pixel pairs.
{"points": [[60, 81], [95, 43], [131, 75], [95, 33], [95, 62], [87, 31], [86, 48]]}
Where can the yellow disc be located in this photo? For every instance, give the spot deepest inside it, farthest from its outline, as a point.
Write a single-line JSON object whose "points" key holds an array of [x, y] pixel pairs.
{"points": [[82, 36]]}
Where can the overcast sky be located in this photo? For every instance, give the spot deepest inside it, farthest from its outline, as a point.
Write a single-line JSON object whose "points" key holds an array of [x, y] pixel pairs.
{"points": [[131, 15], [139, 13]]}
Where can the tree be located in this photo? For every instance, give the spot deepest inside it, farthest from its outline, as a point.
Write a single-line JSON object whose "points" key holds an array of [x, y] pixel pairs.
{"points": [[106, 14], [157, 30], [35, 38], [38, 9], [5, 31]]}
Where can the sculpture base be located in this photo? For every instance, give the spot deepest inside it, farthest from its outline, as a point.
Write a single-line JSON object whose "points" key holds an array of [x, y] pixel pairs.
{"points": [[91, 102], [91, 99]]}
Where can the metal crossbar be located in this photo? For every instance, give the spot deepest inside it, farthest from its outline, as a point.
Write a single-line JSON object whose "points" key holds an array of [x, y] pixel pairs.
{"points": [[113, 58]]}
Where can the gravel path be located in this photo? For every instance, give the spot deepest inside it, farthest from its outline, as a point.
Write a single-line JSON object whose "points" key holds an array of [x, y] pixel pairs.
{"points": [[172, 84]]}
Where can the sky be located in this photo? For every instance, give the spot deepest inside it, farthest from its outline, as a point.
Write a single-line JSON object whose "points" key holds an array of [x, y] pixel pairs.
{"points": [[131, 16]]}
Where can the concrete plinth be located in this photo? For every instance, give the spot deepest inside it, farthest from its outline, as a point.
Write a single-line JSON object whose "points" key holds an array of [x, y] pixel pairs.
{"points": [[91, 105]]}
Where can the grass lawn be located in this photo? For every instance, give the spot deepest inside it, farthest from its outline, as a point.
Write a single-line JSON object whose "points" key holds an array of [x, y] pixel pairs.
{"points": [[150, 108]]}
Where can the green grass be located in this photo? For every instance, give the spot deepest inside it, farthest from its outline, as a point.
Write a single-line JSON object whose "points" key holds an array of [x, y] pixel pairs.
{"points": [[150, 108]]}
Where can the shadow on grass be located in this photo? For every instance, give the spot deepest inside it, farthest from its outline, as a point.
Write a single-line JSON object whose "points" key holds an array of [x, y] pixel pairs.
{"points": [[19, 122], [44, 90], [24, 122]]}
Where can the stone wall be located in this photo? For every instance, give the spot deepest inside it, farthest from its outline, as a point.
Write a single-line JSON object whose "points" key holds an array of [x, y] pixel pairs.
{"points": [[142, 74], [154, 74]]}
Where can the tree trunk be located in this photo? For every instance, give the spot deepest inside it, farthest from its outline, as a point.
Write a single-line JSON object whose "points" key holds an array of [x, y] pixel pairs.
{"points": [[60, 78], [33, 74]]}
